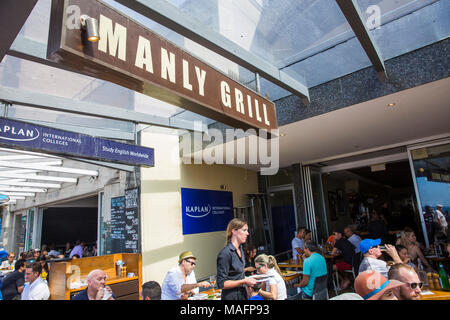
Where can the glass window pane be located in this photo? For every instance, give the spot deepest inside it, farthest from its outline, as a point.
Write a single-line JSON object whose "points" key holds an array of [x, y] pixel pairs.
{"points": [[432, 170]]}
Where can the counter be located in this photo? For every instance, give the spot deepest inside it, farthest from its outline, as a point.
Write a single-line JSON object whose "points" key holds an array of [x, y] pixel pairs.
{"points": [[64, 273]]}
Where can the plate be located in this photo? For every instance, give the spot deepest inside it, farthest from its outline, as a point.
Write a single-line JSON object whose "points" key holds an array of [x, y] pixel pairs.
{"points": [[261, 276], [200, 296]]}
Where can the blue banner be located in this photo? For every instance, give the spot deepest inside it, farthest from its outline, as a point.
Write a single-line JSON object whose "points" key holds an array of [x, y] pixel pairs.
{"points": [[32, 137], [206, 210]]}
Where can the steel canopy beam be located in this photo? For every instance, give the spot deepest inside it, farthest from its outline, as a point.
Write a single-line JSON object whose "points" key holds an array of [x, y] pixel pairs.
{"points": [[45, 101], [352, 13], [171, 17], [13, 15]]}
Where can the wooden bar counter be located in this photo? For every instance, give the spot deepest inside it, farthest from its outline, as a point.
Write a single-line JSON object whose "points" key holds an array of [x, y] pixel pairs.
{"points": [[63, 273]]}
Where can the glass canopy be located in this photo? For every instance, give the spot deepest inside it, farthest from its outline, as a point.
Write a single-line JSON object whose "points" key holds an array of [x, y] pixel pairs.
{"points": [[310, 40]]}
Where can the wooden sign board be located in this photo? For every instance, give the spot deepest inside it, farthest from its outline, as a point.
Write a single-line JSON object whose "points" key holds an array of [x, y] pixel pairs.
{"points": [[135, 57]]}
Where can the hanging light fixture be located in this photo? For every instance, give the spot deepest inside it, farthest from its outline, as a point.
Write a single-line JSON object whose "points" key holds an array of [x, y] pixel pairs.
{"points": [[91, 27]]}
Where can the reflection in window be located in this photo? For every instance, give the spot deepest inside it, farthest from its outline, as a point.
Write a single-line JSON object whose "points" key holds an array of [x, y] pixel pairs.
{"points": [[432, 171]]}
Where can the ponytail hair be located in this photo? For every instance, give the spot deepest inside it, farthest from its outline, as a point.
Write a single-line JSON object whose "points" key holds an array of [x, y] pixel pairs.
{"points": [[269, 261], [235, 224]]}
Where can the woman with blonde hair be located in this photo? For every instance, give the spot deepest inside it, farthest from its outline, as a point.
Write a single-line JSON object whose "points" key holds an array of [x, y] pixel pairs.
{"points": [[409, 241], [231, 263], [274, 288]]}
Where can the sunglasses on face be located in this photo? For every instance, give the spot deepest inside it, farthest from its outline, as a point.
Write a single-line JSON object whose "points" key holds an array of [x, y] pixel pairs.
{"points": [[414, 285], [191, 262], [260, 266]]}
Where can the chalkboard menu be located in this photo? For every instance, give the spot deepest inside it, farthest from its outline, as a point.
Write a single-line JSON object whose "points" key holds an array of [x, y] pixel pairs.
{"points": [[117, 237], [132, 221], [125, 223]]}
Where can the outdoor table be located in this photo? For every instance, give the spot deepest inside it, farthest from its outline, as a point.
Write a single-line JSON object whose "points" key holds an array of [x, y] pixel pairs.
{"points": [[290, 264], [290, 277], [436, 295]]}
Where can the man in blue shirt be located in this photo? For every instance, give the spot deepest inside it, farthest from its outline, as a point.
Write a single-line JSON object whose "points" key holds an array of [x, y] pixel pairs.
{"points": [[298, 242], [314, 266]]}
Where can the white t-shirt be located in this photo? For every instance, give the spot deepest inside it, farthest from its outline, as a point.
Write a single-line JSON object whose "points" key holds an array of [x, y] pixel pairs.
{"points": [[297, 243], [279, 281], [369, 263], [441, 218], [171, 287], [38, 290], [7, 265]]}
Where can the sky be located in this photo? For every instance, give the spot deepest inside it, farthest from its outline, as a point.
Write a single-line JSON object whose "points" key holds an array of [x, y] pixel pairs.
{"points": [[432, 193]]}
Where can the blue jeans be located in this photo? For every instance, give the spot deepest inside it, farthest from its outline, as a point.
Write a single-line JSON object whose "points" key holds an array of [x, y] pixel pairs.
{"points": [[304, 296]]}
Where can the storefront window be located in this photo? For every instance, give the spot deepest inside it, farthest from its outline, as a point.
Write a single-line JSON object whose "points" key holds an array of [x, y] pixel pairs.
{"points": [[432, 173]]}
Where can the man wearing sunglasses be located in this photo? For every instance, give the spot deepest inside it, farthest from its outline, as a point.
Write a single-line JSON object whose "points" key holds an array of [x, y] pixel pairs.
{"points": [[371, 250], [180, 281], [411, 290]]}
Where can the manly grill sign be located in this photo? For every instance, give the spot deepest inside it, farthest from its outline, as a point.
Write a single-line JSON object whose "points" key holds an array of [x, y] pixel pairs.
{"points": [[135, 57]]}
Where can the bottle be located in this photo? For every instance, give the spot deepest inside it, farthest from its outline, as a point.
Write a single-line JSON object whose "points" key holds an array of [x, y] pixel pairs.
{"points": [[437, 284], [421, 273], [430, 281], [443, 278]]}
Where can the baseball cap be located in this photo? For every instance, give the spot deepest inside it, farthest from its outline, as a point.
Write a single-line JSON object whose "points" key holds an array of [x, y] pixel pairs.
{"points": [[366, 244], [439, 205], [185, 255], [371, 284]]}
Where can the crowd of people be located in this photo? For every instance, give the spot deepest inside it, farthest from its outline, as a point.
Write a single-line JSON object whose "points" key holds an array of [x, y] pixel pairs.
{"points": [[243, 274], [28, 275]]}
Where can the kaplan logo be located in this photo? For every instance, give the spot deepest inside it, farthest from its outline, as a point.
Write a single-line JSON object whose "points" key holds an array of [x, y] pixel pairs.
{"points": [[198, 211], [17, 134]]}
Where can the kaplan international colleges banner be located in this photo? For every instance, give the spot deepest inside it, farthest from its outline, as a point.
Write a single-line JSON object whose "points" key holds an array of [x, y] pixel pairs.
{"points": [[206, 210], [32, 137]]}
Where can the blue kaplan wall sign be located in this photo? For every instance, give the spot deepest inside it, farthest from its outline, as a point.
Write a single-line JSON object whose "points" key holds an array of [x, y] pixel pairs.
{"points": [[206, 210], [28, 136]]}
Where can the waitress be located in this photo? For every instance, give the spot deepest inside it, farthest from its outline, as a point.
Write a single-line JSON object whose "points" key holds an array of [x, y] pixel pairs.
{"points": [[231, 263]]}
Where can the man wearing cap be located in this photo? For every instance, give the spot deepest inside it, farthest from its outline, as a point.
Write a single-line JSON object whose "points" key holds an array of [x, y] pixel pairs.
{"points": [[180, 281], [371, 250], [372, 285]]}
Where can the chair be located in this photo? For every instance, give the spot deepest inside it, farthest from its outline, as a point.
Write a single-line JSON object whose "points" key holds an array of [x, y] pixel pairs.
{"points": [[320, 291], [292, 294], [356, 261]]}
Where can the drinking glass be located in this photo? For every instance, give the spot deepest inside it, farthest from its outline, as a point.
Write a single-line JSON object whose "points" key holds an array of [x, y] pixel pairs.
{"points": [[212, 280]]}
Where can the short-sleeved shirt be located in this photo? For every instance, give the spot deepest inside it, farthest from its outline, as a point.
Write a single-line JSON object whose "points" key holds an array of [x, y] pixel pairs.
{"points": [[369, 263], [347, 249], [10, 284], [7, 265], [171, 287], [355, 240], [38, 290], [77, 250], [231, 267], [297, 243], [279, 282], [314, 266]]}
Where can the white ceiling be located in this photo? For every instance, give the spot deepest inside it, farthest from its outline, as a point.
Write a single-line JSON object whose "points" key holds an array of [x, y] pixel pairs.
{"points": [[420, 112], [25, 173]]}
